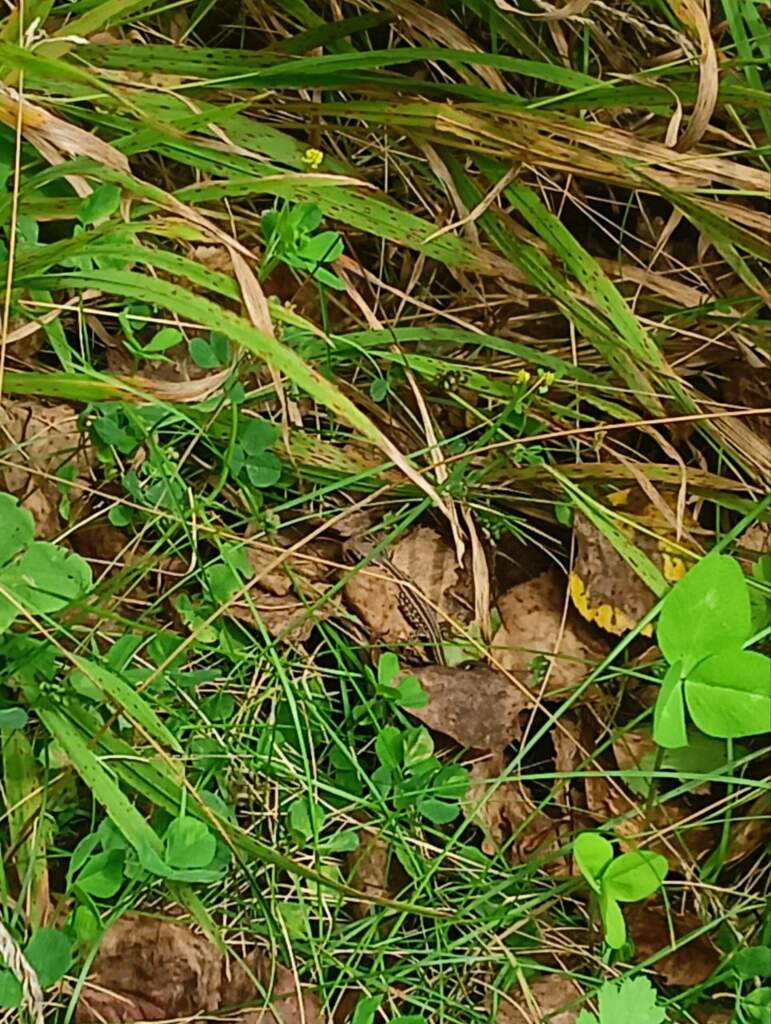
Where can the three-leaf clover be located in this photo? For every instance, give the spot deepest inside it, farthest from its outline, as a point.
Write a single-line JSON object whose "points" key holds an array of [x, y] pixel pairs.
{"points": [[623, 879], [36, 576], [633, 1001], [49, 954], [703, 627], [250, 458]]}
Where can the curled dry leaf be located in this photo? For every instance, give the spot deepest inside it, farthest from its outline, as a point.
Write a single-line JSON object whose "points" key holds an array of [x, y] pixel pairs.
{"points": [[649, 927], [42, 446], [532, 614], [549, 995], [506, 812], [604, 588], [476, 706], [426, 563], [153, 969]]}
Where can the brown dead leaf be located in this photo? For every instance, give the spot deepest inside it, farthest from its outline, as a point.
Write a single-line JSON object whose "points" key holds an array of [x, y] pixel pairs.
{"points": [[477, 707], [688, 965], [370, 868], [659, 824], [154, 969], [532, 615], [423, 559], [39, 442], [507, 812], [603, 587], [288, 618], [752, 830], [548, 996]]}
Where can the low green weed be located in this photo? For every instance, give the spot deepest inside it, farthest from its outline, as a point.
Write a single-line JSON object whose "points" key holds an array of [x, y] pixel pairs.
{"points": [[291, 236], [410, 775], [626, 878]]}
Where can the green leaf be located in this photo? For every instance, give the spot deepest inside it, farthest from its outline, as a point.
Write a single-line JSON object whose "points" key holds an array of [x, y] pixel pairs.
{"points": [[264, 470], [387, 667], [378, 389], [47, 578], [753, 962], [102, 202], [202, 353], [324, 247], [440, 812], [633, 1001], [669, 714], [410, 693], [49, 954], [634, 876], [257, 436], [10, 990], [757, 1005], [306, 819], [451, 783], [593, 853], [13, 718], [389, 747], [418, 746], [18, 528], [613, 921], [729, 694], [86, 925], [162, 340], [102, 875], [365, 1011], [189, 844], [705, 612]]}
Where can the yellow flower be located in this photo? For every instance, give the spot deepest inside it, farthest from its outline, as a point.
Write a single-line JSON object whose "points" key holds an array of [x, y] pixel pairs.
{"points": [[313, 158], [522, 376]]}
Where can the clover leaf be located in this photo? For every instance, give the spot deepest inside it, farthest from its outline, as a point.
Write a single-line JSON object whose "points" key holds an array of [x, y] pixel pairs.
{"points": [[705, 621]]}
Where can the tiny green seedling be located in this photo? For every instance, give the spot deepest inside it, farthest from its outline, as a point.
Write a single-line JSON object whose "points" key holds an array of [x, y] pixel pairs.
{"points": [[633, 1001], [623, 879], [291, 236], [704, 626]]}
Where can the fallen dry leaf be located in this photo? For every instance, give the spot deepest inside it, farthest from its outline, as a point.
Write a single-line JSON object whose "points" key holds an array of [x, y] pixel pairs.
{"points": [[425, 561], [476, 706], [688, 965], [531, 616], [506, 813], [657, 825], [603, 587], [751, 828], [549, 994], [370, 868], [154, 969], [38, 443]]}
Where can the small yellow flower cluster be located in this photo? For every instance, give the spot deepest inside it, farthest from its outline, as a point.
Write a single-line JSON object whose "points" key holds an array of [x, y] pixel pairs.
{"points": [[313, 159], [522, 376], [545, 381]]}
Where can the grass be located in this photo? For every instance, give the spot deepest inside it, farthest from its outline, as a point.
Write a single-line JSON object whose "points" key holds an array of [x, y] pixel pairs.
{"points": [[553, 286]]}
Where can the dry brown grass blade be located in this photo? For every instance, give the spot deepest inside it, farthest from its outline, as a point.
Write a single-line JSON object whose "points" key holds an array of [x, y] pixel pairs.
{"points": [[692, 14]]}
